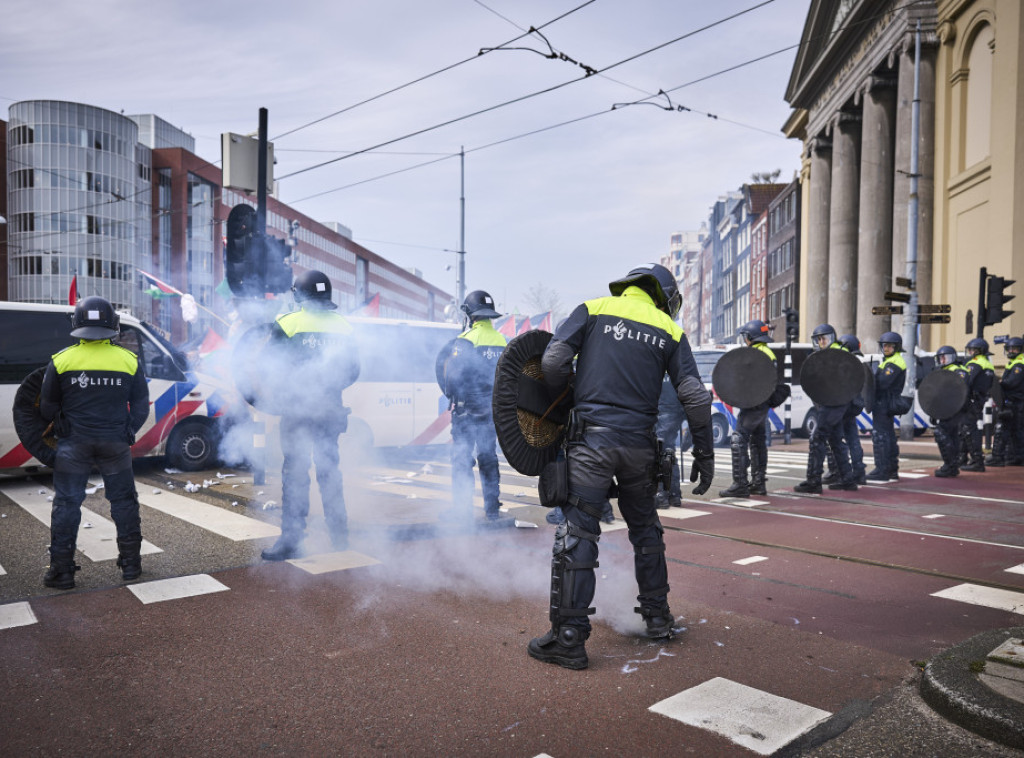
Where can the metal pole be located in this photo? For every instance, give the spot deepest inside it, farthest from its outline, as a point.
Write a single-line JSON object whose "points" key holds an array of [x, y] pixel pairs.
{"points": [[910, 325], [460, 276], [981, 301], [787, 375], [261, 175]]}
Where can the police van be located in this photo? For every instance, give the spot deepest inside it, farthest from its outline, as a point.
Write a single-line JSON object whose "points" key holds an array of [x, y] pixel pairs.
{"points": [[397, 401], [803, 417], [185, 406]]}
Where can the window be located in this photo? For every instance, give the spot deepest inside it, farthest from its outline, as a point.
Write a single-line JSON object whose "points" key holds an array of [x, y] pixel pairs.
{"points": [[28, 340]]}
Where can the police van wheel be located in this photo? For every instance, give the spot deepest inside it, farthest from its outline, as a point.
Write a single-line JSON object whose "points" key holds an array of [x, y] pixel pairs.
{"points": [[720, 432], [192, 446]]}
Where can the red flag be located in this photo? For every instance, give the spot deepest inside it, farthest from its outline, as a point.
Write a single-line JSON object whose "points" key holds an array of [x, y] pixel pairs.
{"points": [[507, 326], [73, 292], [370, 308], [524, 325], [542, 321], [211, 343]]}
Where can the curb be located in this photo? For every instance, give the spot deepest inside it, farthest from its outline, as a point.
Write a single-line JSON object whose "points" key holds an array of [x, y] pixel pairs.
{"points": [[953, 690]]}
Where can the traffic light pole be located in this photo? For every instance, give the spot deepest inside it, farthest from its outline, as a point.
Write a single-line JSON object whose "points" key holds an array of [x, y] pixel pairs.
{"points": [[910, 321], [261, 175]]}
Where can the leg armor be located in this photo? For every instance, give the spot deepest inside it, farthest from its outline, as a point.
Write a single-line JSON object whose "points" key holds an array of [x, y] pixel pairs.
{"points": [[758, 464], [574, 558]]}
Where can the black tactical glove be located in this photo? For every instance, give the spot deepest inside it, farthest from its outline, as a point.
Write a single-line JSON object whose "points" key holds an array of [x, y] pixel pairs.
{"points": [[703, 468]]}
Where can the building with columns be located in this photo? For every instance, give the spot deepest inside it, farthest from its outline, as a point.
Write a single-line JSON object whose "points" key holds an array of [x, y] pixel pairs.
{"points": [[852, 91]]}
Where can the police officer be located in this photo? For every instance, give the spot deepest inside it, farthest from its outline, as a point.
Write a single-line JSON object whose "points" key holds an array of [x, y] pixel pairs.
{"points": [[625, 343], [890, 377], [1008, 445], [850, 430], [671, 416], [95, 394], [980, 376], [828, 432], [317, 359], [947, 431], [469, 384], [749, 439]]}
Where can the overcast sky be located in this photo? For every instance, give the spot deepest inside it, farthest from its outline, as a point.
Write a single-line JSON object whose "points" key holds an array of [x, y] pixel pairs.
{"points": [[570, 207]]}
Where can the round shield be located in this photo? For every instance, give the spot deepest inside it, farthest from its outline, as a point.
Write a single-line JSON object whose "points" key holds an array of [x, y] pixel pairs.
{"points": [[441, 364], [942, 394], [832, 377], [867, 392], [529, 423], [35, 433], [248, 364], [744, 377]]}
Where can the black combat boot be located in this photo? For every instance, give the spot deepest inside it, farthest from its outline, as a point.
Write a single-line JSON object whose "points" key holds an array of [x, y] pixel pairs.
{"points": [[809, 487], [740, 486], [128, 559], [563, 646], [977, 465], [994, 460], [660, 621], [947, 471], [284, 549], [60, 574]]}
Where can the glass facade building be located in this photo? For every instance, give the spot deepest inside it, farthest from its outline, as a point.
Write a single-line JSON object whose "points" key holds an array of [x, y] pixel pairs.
{"points": [[79, 203]]}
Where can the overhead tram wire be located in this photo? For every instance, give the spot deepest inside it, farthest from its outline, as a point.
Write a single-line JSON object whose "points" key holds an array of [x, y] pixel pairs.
{"points": [[424, 77], [529, 96]]}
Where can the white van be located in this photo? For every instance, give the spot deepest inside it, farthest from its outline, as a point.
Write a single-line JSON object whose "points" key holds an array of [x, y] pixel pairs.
{"points": [[185, 406]]}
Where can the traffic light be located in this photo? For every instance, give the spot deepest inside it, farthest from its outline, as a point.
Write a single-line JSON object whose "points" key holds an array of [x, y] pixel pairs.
{"points": [[792, 324], [242, 276], [277, 275], [997, 298]]}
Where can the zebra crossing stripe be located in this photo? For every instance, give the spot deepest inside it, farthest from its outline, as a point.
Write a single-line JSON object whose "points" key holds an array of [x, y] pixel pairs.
{"points": [[323, 563], [213, 518], [757, 720], [990, 597], [16, 614], [97, 535], [176, 588]]}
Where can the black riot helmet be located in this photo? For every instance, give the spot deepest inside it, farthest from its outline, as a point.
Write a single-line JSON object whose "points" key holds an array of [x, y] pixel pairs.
{"points": [[313, 288], [945, 355], [95, 319], [479, 304], [976, 346], [756, 331], [851, 343], [1014, 346], [657, 281], [823, 330], [891, 338]]}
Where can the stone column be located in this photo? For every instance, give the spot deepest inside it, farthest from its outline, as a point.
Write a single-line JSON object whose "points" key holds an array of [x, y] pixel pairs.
{"points": [[926, 171], [815, 257], [843, 222], [874, 248]]}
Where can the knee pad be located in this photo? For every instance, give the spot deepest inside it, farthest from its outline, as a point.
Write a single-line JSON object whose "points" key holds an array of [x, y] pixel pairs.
{"points": [[563, 572]]}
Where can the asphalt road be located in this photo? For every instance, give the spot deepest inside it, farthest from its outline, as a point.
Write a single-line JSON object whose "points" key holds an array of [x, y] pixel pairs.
{"points": [[802, 623]]}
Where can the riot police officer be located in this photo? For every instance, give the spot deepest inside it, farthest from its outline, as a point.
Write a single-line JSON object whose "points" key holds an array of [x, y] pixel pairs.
{"points": [[828, 432], [749, 438], [318, 359], [850, 431], [980, 376], [625, 343], [947, 431], [95, 394], [890, 377], [1008, 445], [469, 383]]}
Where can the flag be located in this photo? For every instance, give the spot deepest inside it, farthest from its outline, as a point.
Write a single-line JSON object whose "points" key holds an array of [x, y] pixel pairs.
{"points": [[370, 308], [73, 292], [211, 343], [224, 290], [507, 326], [158, 288], [524, 325], [542, 321]]}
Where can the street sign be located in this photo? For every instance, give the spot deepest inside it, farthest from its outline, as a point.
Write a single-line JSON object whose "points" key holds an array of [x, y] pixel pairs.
{"points": [[933, 309], [898, 297], [902, 281], [886, 310], [932, 319]]}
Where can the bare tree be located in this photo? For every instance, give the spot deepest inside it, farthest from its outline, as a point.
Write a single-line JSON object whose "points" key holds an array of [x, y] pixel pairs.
{"points": [[541, 298]]}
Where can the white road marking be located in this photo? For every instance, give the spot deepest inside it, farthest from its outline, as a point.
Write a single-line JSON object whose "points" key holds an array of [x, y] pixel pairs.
{"points": [[912, 475], [990, 597], [220, 521], [751, 559], [935, 515], [1016, 569], [98, 542], [2, 571], [683, 513], [746, 502], [757, 720], [322, 563], [175, 588], [16, 614]]}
